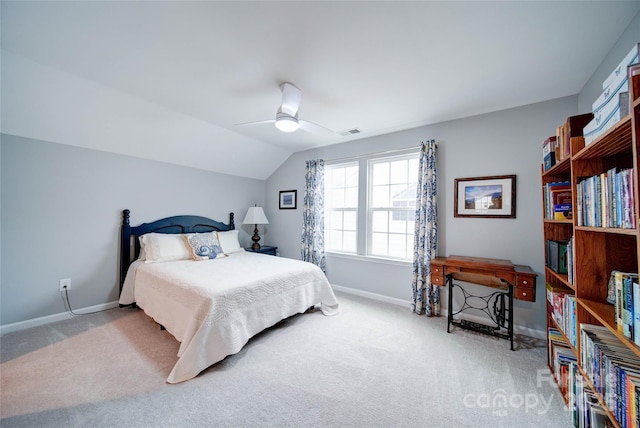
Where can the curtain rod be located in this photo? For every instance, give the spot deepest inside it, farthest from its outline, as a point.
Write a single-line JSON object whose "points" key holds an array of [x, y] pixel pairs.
{"points": [[387, 152]]}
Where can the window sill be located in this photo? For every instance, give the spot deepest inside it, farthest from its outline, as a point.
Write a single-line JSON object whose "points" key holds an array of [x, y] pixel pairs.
{"points": [[372, 259]]}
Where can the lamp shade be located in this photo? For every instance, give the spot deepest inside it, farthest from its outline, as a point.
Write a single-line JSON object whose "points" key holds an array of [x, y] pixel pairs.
{"points": [[255, 215]]}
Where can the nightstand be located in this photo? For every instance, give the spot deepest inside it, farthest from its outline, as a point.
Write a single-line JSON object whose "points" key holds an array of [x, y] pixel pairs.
{"points": [[265, 249]]}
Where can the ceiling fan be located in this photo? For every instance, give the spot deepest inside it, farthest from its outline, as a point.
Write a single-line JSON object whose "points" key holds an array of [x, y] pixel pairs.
{"points": [[286, 119]]}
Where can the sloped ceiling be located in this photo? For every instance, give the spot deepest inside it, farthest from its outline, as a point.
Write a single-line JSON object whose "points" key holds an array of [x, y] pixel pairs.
{"points": [[170, 80]]}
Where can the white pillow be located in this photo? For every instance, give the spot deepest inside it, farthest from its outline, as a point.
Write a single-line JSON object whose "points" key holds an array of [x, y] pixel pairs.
{"points": [[163, 247], [143, 255], [229, 241]]}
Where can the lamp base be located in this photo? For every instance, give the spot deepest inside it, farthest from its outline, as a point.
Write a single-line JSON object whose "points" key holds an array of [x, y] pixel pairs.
{"points": [[255, 238]]}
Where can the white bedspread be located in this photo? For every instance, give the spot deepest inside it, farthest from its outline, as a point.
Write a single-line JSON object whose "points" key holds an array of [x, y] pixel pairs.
{"points": [[214, 307]]}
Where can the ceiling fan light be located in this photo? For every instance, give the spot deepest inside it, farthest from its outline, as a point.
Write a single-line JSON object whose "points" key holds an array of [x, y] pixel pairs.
{"points": [[287, 124]]}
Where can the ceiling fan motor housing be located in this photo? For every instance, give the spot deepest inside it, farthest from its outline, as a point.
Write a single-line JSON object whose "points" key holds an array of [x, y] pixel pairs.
{"points": [[285, 122]]}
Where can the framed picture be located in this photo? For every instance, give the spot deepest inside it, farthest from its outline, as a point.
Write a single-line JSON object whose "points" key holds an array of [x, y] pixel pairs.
{"points": [[288, 199], [490, 197]]}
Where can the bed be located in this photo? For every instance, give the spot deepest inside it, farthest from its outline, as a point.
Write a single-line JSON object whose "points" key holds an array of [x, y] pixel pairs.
{"points": [[220, 296]]}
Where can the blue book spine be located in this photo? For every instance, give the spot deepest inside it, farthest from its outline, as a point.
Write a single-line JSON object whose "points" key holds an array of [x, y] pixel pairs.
{"points": [[636, 312], [627, 287]]}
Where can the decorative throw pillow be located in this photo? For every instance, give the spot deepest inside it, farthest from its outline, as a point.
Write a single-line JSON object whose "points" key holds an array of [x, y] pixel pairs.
{"points": [[204, 246], [163, 247], [229, 241]]}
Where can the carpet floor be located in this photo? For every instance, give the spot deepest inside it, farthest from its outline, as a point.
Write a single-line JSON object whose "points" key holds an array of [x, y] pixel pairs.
{"points": [[372, 365]]}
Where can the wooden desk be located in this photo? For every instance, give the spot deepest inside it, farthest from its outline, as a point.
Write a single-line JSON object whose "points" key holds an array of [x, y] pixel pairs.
{"points": [[514, 281]]}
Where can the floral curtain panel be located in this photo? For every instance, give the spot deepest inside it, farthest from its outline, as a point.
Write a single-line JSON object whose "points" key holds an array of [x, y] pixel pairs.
{"points": [[426, 297], [313, 214]]}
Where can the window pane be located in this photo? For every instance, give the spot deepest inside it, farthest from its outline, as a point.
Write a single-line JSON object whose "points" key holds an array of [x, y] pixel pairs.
{"points": [[411, 226], [380, 197], [398, 223], [333, 240], [380, 173], [410, 246], [397, 245], [398, 171], [338, 177], [349, 242], [413, 169], [392, 198], [335, 220], [337, 198], [400, 196], [351, 197], [380, 221], [351, 176], [379, 244], [341, 202], [349, 220]]}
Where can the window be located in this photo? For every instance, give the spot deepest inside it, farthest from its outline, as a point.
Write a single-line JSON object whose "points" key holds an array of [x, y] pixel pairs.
{"points": [[341, 207], [386, 207], [392, 204]]}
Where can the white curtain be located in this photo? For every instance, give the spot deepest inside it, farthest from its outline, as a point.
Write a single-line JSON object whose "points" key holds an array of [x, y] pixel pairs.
{"points": [[313, 214], [426, 296]]}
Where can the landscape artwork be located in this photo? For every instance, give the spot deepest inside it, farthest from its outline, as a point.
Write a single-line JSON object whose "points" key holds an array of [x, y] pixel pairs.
{"points": [[483, 197], [490, 197]]}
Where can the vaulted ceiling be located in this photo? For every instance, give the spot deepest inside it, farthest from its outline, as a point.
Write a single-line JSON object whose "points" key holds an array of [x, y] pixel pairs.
{"points": [[170, 80]]}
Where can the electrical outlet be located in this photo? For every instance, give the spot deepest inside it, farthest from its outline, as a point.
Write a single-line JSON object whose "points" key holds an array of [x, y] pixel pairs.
{"points": [[65, 283]]}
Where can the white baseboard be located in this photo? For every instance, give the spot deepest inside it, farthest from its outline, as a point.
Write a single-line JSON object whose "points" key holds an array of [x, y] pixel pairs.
{"points": [[22, 325], [517, 329], [373, 296]]}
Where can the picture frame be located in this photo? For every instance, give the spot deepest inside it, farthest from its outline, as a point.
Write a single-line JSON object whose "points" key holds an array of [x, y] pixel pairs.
{"points": [[485, 197], [288, 199]]}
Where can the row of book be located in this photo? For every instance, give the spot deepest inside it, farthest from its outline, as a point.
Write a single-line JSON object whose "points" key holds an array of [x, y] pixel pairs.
{"points": [[557, 147], [586, 410], [562, 306], [614, 371], [557, 200], [557, 255], [607, 200], [561, 358], [623, 292]]}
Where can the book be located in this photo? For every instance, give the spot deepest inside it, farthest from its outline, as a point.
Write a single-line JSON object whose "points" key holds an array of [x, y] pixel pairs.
{"points": [[560, 195], [574, 128], [550, 189], [562, 212], [634, 81]]}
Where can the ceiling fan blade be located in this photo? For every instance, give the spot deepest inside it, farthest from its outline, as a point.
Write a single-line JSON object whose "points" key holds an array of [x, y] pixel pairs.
{"points": [[256, 123], [313, 127], [290, 98]]}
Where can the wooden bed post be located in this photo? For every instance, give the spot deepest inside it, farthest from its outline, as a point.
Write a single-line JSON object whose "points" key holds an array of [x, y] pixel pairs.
{"points": [[125, 247], [231, 225]]}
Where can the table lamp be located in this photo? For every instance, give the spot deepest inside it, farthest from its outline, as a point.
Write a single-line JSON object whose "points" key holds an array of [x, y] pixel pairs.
{"points": [[255, 216]]}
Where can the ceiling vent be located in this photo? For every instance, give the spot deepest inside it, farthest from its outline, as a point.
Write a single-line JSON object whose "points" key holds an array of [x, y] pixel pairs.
{"points": [[350, 132]]}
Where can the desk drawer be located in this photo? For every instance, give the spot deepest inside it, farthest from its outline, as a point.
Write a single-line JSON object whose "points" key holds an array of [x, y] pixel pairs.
{"points": [[526, 294], [525, 281], [525, 288], [437, 274], [437, 280]]}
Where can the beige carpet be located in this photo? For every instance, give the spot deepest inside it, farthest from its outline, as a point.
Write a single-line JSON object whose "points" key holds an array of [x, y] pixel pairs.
{"points": [[125, 355], [372, 365]]}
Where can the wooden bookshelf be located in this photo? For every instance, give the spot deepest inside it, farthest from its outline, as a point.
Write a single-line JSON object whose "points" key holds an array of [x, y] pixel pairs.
{"points": [[597, 250]]}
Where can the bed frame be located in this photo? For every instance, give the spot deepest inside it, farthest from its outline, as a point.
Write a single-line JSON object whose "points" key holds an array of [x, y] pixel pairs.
{"points": [[130, 244]]}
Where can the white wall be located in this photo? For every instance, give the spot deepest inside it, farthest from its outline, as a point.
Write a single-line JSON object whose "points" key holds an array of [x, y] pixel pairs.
{"points": [[505, 142], [61, 212]]}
